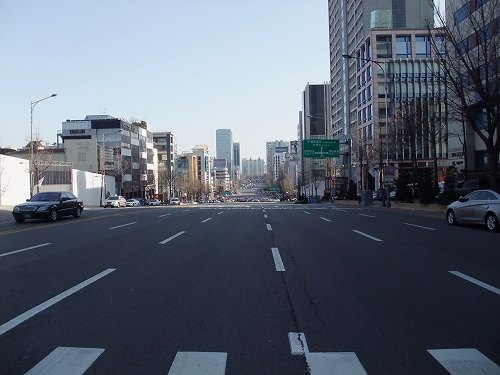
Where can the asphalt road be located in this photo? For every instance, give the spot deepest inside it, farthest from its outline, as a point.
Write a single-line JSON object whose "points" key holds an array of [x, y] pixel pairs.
{"points": [[249, 288]]}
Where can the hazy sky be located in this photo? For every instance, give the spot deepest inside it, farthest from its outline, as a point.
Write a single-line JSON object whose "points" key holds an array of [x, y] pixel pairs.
{"points": [[189, 66]]}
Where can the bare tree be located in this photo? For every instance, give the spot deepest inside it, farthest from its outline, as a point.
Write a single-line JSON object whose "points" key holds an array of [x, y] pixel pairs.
{"points": [[470, 62]]}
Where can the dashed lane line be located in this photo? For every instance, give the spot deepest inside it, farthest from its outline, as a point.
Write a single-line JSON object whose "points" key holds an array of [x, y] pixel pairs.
{"points": [[477, 282], [367, 235], [419, 226], [45, 305], [171, 238], [25, 249], [124, 225]]}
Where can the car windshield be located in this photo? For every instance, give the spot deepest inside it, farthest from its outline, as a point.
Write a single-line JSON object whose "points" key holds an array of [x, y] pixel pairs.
{"points": [[46, 197], [112, 198]]}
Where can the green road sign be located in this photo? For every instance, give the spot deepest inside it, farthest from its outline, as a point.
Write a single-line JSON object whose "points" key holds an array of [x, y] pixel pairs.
{"points": [[321, 148]]}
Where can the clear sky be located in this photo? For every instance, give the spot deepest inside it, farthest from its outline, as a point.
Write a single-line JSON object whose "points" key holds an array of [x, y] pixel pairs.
{"points": [[186, 66]]}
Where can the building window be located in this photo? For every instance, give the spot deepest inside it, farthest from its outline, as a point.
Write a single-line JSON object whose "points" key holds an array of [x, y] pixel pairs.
{"points": [[440, 42], [480, 3], [463, 46], [422, 46], [462, 13], [403, 47], [384, 46], [77, 131]]}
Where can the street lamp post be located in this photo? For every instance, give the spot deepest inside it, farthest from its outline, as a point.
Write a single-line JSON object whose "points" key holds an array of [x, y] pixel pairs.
{"points": [[379, 63], [32, 167]]}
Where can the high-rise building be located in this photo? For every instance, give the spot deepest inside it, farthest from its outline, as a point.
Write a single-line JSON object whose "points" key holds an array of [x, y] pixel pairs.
{"points": [[372, 43], [236, 160], [166, 146], [253, 167], [276, 152], [224, 147]]}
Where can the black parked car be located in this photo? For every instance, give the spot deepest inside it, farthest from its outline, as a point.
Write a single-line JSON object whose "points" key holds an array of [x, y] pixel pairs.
{"points": [[48, 205], [301, 199]]}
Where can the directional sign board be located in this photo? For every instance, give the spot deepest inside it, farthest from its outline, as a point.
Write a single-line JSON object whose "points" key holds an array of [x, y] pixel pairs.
{"points": [[321, 148]]}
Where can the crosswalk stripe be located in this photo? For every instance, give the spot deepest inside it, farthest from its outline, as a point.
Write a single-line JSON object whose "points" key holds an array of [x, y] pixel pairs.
{"points": [[343, 363], [199, 363], [466, 361], [333, 363], [63, 361]]}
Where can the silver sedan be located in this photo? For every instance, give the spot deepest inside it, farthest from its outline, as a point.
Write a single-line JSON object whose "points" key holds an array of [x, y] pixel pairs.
{"points": [[478, 207]]}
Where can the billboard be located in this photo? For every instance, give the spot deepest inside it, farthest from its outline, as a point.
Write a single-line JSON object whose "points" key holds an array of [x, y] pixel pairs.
{"points": [[321, 148], [220, 163], [294, 147], [281, 149]]}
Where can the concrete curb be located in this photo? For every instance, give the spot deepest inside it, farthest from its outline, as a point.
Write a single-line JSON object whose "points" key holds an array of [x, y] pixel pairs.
{"points": [[401, 206]]}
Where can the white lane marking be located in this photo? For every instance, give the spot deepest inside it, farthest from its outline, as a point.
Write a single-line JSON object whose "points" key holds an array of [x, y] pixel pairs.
{"points": [[298, 344], [324, 218], [367, 215], [185, 211], [341, 363], [367, 235], [164, 215], [477, 282], [63, 361], [468, 361], [199, 363], [307, 212], [124, 225], [265, 216], [220, 212], [277, 259], [25, 249], [338, 209], [269, 227], [204, 221], [419, 226], [45, 305], [171, 238], [263, 210]]}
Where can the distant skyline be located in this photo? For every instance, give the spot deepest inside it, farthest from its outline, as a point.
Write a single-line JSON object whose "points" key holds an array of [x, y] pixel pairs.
{"points": [[189, 67], [186, 66]]}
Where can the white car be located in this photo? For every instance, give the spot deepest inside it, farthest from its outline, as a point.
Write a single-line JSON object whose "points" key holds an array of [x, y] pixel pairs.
{"points": [[175, 201], [478, 207], [132, 203], [153, 202], [115, 201]]}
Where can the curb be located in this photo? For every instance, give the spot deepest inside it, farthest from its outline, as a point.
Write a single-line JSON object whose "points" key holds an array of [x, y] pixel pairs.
{"points": [[402, 206]]}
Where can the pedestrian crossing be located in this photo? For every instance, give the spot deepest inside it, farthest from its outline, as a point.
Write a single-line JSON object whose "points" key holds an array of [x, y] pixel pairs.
{"points": [[76, 361], [285, 207]]}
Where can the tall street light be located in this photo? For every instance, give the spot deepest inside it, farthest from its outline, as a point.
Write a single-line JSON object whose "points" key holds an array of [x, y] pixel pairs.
{"points": [[379, 63], [32, 169]]}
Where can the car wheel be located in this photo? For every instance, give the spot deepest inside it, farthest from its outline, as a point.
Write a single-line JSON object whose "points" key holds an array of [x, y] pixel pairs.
{"points": [[53, 215], [19, 219], [491, 222], [78, 212], [450, 217]]}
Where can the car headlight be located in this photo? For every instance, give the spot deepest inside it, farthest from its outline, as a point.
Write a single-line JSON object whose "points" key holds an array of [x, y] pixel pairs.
{"points": [[16, 209], [43, 208]]}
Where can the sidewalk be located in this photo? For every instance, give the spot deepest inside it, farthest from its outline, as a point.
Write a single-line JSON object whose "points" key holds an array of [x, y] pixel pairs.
{"points": [[398, 205]]}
